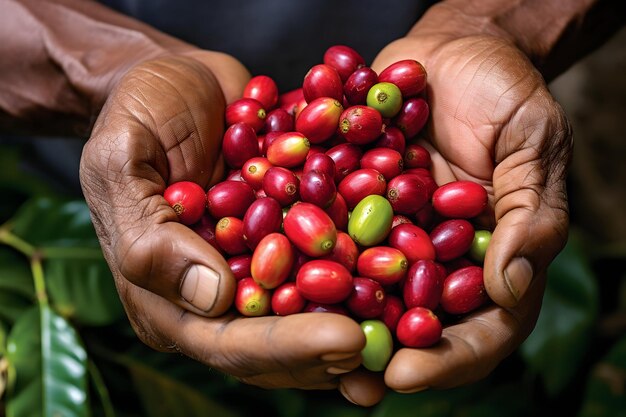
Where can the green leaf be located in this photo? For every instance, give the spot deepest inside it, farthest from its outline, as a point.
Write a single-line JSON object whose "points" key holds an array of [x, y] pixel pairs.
{"points": [[57, 223], [605, 395], [83, 290], [12, 306], [15, 275], [49, 367], [164, 396], [563, 332], [78, 279]]}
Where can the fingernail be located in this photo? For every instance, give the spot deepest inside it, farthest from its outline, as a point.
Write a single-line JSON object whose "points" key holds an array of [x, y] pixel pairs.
{"points": [[200, 286], [518, 274], [331, 357], [343, 392], [337, 371]]}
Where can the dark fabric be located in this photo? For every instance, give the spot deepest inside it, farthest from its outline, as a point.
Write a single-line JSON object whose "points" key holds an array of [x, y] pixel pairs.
{"points": [[279, 38]]}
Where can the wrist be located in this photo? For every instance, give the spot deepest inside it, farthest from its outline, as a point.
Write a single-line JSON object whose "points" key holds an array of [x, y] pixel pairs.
{"points": [[553, 34]]}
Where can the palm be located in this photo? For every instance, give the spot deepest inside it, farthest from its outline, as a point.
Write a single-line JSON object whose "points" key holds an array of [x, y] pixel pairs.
{"points": [[473, 97]]}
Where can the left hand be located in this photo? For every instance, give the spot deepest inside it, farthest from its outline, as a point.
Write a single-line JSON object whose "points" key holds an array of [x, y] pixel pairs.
{"points": [[493, 121], [163, 123]]}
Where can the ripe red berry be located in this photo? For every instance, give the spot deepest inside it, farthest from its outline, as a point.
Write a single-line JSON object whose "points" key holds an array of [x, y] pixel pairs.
{"points": [[317, 188], [319, 119], [322, 81], [229, 235], [367, 300], [344, 59], [460, 199], [358, 84], [251, 299], [188, 200], [281, 184], [246, 110], [464, 291], [229, 198], [409, 75], [325, 282], [418, 327], [272, 260], [239, 144], [287, 300], [452, 238], [263, 89], [310, 229], [360, 124], [412, 117]]}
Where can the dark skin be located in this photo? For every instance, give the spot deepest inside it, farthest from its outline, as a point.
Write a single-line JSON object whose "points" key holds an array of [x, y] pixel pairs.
{"points": [[493, 121], [529, 206]]}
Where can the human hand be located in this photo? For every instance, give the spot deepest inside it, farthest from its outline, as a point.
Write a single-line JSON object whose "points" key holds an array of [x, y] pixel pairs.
{"points": [[493, 121], [163, 123]]}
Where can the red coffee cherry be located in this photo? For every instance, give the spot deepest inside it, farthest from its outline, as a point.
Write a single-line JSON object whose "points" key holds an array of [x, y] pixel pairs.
{"points": [[246, 110], [460, 199], [324, 281], [251, 299], [322, 81], [464, 291], [188, 200], [367, 300], [263, 89], [418, 327], [287, 300], [272, 260], [344, 59], [409, 75]]}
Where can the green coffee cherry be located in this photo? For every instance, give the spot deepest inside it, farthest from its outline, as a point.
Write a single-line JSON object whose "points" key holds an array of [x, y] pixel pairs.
{"points": [[386, 98], [378, 346], [479, 245]]}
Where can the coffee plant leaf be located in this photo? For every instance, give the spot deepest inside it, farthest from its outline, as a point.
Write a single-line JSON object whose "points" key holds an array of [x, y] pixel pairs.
{"points": [[49, 367], [15, 275], [83, 290], [55, 222]]}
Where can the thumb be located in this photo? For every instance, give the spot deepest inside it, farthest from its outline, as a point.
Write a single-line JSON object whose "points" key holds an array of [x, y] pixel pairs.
{"points": [[171, 260], [531, 208]]}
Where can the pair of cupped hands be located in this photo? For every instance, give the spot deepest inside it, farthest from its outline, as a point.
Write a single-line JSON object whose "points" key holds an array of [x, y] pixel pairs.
{"points": [[492, 121]]}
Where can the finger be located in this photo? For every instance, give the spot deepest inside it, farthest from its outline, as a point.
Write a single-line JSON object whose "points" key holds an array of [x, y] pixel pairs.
{"points": [[230, 73], [158, 126], [174, 262], [468, 351], [362, 387], [305, 350], [530, 198]]}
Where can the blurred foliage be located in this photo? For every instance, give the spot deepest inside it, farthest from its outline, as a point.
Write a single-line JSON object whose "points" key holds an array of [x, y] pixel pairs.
{"points": [[66, 347]]}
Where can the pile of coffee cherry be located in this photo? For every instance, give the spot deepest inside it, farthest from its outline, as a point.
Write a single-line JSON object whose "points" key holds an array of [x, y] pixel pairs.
{"points": [[329, 205]]}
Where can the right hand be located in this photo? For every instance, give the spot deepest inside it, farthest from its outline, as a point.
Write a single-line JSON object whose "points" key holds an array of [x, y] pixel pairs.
{"points": [[161, 124]]}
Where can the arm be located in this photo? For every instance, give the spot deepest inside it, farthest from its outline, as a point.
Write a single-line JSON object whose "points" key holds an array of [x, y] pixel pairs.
{"points": [[61, 59], [554, 34], [153, 108]]}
